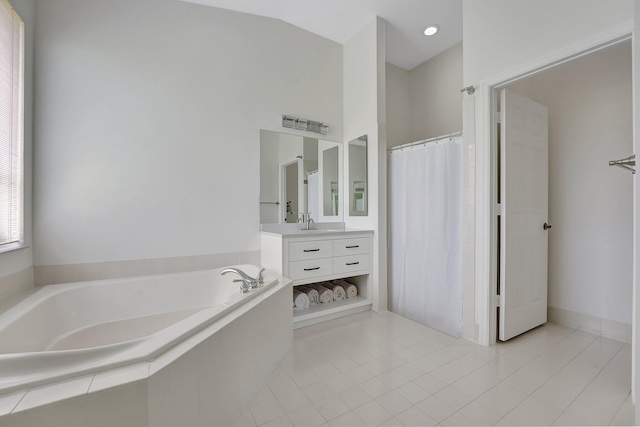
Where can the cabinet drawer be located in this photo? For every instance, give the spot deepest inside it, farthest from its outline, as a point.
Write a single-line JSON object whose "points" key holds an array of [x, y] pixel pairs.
{"points": [[346, 264], [299, 251], [310, 268], [358, 245]]}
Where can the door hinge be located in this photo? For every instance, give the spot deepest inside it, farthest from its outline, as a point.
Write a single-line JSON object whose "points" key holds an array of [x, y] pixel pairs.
{"points": [[498, 117], [499, 209], [498, 301]]}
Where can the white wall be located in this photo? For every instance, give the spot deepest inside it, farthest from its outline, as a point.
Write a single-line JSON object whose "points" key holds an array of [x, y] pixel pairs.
{"points": [[21, 260], [590, 203], [148, 118], [290, 147], [499, 35], [398, 106], [364, 114], [269, 177], [435, 101], [425, 102]]}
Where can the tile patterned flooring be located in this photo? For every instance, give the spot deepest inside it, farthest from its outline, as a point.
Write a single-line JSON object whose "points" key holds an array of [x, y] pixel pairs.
{"points": [[374, 369]]}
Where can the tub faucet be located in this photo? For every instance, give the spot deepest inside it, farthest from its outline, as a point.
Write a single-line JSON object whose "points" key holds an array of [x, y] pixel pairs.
{"points": [[248, 282]]}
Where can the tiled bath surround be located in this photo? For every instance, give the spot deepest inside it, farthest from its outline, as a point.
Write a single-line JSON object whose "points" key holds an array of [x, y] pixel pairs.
{"points": [[14, 284], [55, 274]]}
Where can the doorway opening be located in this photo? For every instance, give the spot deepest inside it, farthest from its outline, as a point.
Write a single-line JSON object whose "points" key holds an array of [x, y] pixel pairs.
{"points": [[590, 252], [291, 191]]}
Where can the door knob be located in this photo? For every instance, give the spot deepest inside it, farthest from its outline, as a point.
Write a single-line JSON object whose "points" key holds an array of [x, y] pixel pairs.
{"points": [[546, 226]]}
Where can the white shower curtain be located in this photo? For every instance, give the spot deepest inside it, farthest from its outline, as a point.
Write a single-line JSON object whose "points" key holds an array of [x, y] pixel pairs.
{"points": [[425, 223]]}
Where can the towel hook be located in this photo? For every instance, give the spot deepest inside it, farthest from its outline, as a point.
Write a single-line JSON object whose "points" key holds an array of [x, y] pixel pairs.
{"points": [[469, 89], [628, 163]]}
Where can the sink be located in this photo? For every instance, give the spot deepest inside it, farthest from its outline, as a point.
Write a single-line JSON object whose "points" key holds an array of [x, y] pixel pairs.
{"points": [[319, 230]]}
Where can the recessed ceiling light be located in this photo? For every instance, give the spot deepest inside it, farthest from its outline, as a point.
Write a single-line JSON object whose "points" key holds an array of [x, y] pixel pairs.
{"points": [[431, 30]]}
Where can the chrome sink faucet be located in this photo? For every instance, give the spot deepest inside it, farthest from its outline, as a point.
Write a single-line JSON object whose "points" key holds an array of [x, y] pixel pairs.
{"points": [[308, 220], [248, 282]]}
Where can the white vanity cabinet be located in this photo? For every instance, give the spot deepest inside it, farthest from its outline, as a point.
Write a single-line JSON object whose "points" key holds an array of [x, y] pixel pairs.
{"points": [[319, 255]]}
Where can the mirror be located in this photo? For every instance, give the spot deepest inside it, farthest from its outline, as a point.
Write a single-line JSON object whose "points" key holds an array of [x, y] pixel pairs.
{"points": [[299, 175], [330, 181], [358, 205]]}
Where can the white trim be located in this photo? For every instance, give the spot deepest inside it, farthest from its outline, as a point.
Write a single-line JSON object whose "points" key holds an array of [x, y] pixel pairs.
{"points": [[13, 246], [483, 215], [486, 170], [575, 50]]}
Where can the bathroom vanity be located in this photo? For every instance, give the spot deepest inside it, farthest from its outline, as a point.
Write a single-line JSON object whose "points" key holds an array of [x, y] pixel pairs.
{"points": [[317, 255], [303, 178]]}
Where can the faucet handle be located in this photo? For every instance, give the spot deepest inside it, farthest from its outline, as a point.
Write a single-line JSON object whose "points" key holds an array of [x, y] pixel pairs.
{"points": [[244, 288], [260, 278]]}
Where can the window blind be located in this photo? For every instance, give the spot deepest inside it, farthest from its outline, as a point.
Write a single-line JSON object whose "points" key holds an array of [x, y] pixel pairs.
{"points": [[11, 124]]}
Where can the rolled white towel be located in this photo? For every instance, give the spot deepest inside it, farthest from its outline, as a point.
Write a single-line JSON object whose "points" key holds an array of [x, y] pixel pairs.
{"points": [[350, 289], [314, 296], [338, 291], [300, 299], [326, 295]]}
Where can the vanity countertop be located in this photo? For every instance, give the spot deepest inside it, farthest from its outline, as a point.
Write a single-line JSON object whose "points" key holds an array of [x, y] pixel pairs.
{"points": [[316, 232]]}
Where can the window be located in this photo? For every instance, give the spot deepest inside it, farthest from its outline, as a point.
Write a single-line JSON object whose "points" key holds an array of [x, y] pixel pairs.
{"points": [[11, 126]]}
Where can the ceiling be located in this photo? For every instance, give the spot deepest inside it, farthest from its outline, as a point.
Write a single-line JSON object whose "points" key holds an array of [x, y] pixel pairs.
{"points": [[339, 20]]}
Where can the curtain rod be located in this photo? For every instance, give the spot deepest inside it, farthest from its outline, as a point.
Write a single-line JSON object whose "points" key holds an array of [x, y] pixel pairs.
{"points": [[425, 141]]}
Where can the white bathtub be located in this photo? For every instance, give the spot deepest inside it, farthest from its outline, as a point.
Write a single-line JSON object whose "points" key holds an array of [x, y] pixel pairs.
{"points": [[70, 330]]}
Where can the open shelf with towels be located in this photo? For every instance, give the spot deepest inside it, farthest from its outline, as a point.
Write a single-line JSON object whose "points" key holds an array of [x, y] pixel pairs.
{"points": [[329, 311], [305, 317]]}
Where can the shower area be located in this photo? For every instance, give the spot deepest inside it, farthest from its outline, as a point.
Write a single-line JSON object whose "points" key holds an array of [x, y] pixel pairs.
{"points": [[425, 232], [426, 191]]}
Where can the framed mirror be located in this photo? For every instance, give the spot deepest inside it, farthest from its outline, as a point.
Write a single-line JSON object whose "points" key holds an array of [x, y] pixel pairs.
{"points": [[299, 175], [358, 204]]}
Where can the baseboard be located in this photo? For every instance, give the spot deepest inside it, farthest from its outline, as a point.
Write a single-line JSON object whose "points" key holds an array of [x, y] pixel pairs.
{"points": [[588, 323]]}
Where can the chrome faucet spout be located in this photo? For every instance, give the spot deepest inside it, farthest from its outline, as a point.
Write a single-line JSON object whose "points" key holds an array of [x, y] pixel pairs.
{"points": [[306, 221], [237, 271], [248, 282]]}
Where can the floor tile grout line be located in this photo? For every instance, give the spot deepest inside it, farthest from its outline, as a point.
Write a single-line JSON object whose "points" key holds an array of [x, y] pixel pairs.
{"points": [[593, 379], [585, 387], [480, 367], [619, 407], [494, 357], [558, 370], [504, 379]]}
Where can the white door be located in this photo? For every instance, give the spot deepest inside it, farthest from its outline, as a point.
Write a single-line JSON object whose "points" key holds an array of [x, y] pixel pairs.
{"points": [[524, 187]]}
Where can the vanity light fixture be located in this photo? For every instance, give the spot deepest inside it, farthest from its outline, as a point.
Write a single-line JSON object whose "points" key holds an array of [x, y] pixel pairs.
{"points": [[431, 30], [304, 124]]}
